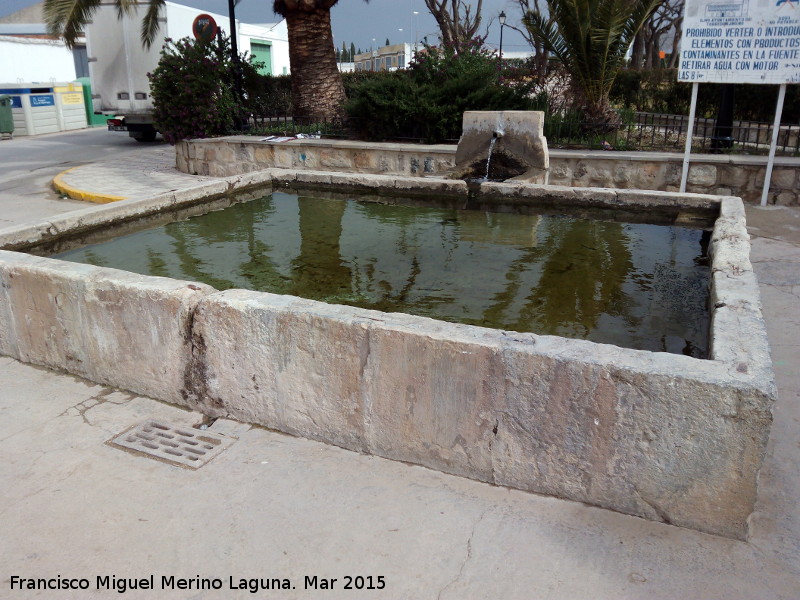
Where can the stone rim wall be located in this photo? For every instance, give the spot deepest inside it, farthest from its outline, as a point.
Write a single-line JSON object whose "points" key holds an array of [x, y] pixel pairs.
{"points": [[726, 175], [664, 437]]}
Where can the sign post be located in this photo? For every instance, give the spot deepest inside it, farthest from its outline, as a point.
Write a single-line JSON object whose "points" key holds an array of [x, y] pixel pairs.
{"points": [[742, 41], [689, 130], [776, 126]]}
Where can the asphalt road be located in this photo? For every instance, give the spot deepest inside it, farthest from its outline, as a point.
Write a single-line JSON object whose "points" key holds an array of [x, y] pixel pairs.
{"points": [[28, 165]]}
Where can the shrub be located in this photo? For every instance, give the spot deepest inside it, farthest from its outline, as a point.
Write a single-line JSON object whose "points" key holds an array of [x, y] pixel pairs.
{"points": [[267, 94], [193, 89], [428, 100]]}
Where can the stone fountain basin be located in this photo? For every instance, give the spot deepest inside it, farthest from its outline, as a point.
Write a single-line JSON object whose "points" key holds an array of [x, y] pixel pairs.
{"points": [[660, 436]]}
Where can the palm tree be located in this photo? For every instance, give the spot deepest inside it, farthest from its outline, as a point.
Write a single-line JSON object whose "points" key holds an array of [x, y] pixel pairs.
{"points": [[317, 89], [591, 39], [66, 18]]}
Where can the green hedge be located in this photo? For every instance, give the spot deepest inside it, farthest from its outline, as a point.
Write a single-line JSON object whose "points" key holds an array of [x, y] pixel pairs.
{"points": [[427, 101], [658, 90]]}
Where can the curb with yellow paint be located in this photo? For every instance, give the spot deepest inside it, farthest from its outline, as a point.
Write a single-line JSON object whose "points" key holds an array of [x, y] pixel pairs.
{"points": [[76, 194]]}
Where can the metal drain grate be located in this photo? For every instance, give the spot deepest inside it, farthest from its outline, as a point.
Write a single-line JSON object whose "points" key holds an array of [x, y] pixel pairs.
{"points": [[178, 445]]}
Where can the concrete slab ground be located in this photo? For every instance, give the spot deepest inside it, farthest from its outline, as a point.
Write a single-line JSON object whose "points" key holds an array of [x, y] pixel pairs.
{"points": [[273, 506]]}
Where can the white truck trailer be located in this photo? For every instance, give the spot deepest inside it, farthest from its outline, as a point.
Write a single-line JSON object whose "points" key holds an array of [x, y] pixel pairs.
{"points": [[119, 63]]}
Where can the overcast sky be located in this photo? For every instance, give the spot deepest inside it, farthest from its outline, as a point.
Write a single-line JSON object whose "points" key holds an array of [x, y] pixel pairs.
{"points": [[359, 22]]}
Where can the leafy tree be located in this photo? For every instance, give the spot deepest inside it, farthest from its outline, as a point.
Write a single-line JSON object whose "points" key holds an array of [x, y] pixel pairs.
{"points": [[190, 69], [590, 38], [540, 54], [457, 23], [353, 51], [647, 43]]}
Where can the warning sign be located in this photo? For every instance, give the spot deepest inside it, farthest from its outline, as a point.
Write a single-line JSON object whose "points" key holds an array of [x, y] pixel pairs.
{"points": [[741, 41]]}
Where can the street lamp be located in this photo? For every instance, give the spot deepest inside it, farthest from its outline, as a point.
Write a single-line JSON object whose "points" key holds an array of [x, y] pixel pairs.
{"points": [[414, 27], [502, 18]]}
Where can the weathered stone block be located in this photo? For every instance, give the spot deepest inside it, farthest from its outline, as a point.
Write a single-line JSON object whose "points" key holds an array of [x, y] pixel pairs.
{"points": [[600, 176], [225, 154], [623, 175], [335, 159], [286, 363], [705, 175], [734, 175], [244, 152], [363, 181], [46, 311], [283, 157], [305, 158], [363, 161], [9, 345], [314, 177], [264, 154], [431, 397], [672, 175], [580, 172], [431, 185], [607, 434], [559, 171], [110, 326], [24, 235], [784, 179]]}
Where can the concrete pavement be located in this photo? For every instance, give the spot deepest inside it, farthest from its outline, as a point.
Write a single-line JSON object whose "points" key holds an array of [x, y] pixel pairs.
{"points": [[276, 507], [142, 174]]}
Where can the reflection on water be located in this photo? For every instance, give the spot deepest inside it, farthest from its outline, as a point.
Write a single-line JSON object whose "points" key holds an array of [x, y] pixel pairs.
{"points": [[638, 286]]}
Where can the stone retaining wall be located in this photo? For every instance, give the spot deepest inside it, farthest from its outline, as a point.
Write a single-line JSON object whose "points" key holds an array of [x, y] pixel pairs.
{"points": [[661, 436], [726, 175]]}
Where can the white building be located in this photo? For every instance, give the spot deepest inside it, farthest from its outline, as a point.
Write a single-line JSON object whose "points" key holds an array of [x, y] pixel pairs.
{"points": [[28, 54], [28, 59], [268, 43]]}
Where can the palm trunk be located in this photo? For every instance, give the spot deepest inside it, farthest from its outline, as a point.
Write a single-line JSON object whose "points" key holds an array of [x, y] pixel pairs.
{"points": [[317, 89]]}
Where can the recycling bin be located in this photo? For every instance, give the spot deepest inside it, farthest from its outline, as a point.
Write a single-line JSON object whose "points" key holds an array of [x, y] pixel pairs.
{"points": [[6, 116], [38, 109]]}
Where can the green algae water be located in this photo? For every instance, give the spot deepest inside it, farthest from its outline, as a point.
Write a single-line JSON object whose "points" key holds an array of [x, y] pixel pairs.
{"points": [[634, 285]]}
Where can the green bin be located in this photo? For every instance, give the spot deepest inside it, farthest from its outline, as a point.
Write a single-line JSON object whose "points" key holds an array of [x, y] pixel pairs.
{"points": [[6, 116], [92, 119]]}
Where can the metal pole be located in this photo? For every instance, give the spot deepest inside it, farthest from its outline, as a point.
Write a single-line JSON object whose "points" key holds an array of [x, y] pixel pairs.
{"points": [[723, 127], [775, 130], [688, 149], [232, 19], [501, 43], [237, 72]]}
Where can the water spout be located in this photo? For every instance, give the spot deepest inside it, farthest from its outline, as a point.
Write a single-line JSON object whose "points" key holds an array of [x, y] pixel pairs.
{"points": [[489, 157], [517, 148]]}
